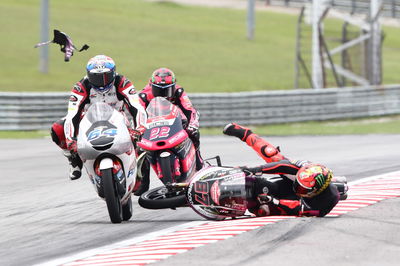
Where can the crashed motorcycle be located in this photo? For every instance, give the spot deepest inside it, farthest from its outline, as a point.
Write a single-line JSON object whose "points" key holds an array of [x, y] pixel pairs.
{"points": [[217, 192], [169, 150], [106, 149]]}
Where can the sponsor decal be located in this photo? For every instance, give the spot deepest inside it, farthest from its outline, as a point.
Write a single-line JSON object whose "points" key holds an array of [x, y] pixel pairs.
{"points": [[215, 192], [232, 177], [190, 159], [130, 173], [320, 179], [77, 88], [73, 98], [146, 143], [132, 91], [177, 137]]}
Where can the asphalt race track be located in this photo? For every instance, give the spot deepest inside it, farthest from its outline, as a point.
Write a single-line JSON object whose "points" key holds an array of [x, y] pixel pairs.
{"points": [[45, 216]]}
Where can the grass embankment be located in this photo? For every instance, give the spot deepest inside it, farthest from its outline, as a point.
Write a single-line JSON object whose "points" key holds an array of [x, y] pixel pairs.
{"points": [[206, 47]]}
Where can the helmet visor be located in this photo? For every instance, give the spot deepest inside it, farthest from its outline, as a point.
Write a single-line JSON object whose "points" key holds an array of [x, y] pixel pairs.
{"points": [[100, 79], [166, 91], [300, 190]]}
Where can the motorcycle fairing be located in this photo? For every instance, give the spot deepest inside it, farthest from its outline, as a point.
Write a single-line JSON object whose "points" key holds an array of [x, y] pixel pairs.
{"points": [[101, 135], [163, 137], [188, 158]]}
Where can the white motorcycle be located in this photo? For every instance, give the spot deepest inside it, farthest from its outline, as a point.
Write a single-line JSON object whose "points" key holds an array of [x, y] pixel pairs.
{"points": [[109, 157]]}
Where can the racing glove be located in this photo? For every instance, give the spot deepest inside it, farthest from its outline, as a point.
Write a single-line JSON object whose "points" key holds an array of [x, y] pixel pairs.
{"points": [[265, 206], [193, 131], [136, 134]]}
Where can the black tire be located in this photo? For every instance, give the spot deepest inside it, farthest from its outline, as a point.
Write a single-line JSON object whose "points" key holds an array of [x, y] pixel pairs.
{"points": [[159, 198], [127, 210], [166, 168], [111, 196]]}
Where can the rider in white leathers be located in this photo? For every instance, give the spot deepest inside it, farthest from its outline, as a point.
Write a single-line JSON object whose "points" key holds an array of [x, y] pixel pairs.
{"points": [[101, 84]]}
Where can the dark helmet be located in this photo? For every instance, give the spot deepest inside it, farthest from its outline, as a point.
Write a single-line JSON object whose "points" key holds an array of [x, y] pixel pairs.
{"points": [[101, 72], [311, 180], [163, 83]]}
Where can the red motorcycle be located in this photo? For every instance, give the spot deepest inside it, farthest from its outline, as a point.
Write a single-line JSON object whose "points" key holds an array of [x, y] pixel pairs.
{"points": [[169, 150]]}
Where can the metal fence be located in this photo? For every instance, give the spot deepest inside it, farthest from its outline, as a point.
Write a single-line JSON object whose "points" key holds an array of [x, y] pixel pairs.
{"points": [[37, 111], [390, 8]]}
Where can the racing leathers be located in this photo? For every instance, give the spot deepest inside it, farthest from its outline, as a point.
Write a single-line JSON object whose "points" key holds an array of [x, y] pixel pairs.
{"points": [[277, 192], [275, 196], [122, 96], [181, 100]]}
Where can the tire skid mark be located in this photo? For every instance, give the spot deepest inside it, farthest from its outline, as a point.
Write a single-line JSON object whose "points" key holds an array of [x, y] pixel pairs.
{"points": [[361, 193]]}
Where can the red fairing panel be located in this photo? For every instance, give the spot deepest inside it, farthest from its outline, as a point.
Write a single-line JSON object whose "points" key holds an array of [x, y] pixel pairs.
{"points": [[169, 143]]}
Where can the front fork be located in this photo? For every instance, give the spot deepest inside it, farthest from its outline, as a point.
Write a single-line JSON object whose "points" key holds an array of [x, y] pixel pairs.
{"points": [[166, 165], [117, 173]]}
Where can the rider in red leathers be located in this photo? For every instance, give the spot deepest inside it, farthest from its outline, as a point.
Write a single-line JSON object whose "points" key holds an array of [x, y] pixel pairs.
{"points": [[302, 189], [101, 84], [163, 84]]}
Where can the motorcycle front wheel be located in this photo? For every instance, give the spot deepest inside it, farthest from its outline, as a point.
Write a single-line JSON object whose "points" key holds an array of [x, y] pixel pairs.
{"points": [[111, 196], [127, 210], [162, 198]]}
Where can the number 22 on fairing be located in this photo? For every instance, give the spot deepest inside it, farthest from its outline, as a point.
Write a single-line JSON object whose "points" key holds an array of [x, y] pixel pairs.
{"points": [[159, 132]]}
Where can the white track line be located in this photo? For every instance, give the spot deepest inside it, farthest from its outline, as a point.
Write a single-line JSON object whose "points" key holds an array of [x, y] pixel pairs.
{"points": [[162, 244]]}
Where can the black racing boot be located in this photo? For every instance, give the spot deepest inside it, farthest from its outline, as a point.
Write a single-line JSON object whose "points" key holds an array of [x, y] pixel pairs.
{"points": [[233, 129], [142, 178], [75, 162]]}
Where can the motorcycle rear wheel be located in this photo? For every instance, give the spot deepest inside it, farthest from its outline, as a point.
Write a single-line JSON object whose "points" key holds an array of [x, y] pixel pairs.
{"points": [[161, 198], [111, 196]]}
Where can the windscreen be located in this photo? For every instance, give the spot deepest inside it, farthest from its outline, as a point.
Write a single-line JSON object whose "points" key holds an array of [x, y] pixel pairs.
{"points": [[99, 112], [159, 107]]}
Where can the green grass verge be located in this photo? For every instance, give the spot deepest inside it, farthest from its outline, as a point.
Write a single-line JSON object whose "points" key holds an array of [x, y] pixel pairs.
{"points": [[206, 47], [382, 125], [23, 134]]}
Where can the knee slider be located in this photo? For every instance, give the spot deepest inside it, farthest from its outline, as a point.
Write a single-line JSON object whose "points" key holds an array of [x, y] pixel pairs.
{"points": [[269, 150], [57, 133], [54, 136]]}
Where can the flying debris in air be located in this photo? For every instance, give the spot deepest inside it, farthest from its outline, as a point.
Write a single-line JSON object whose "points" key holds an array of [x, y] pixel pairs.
{"points": [[67, 47]]}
